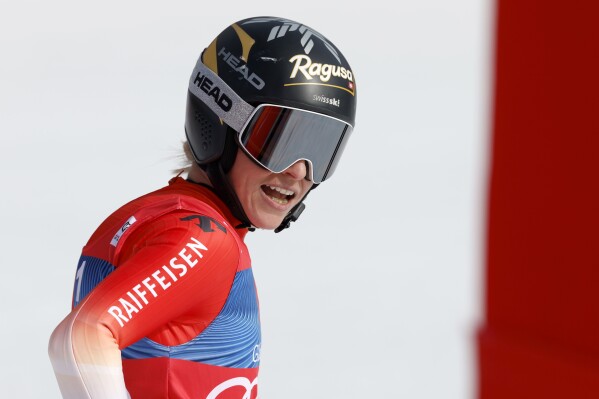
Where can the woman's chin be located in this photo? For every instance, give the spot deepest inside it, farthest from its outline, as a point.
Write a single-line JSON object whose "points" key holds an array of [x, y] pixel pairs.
{"points": [[267, 222]]}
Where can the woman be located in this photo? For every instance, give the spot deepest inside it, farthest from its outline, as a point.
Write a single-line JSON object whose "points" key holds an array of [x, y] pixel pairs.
{"points": [[164, 301]]}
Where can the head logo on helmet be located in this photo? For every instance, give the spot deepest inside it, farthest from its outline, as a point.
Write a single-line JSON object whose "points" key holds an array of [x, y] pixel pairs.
{"points": [[212, 90], [238, 65]]}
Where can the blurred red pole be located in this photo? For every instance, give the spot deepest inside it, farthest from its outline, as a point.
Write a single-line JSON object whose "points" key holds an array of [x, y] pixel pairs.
{"points": [[540, 336]]}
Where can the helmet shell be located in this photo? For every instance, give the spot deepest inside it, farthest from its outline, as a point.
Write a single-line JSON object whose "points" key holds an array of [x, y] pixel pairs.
{"points": [[269, 60], [279, 61]]}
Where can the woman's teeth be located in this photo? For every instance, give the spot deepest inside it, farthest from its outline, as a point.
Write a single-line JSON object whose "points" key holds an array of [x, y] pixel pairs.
{"points": [[279, 195], [281, 190]]}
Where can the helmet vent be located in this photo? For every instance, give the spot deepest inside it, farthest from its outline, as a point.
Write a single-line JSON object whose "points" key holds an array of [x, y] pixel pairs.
{"points": [[206, 130]]}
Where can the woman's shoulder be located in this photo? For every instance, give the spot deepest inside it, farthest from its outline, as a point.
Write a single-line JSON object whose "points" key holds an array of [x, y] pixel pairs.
{"points": [[175, 209]]}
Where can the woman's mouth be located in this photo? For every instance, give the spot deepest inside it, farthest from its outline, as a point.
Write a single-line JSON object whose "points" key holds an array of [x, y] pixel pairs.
{"points": [[279, 195]]}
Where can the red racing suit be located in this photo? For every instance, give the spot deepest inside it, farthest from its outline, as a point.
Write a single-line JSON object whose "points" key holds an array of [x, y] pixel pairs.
{"points": [[164, 304]]}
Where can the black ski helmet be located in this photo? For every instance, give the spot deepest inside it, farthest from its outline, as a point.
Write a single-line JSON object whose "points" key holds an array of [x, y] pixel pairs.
{"points": [[261, 60]]}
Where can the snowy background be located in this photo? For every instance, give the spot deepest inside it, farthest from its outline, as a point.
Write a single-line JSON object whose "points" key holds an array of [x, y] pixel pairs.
{"points": [[374, 293]]}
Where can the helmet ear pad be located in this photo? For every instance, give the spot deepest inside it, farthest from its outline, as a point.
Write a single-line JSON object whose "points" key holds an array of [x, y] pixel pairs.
{"points": [[206, 133]]}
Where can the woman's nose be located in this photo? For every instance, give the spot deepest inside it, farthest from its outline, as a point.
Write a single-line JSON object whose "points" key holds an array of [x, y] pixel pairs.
{"points": [[297, 171]]}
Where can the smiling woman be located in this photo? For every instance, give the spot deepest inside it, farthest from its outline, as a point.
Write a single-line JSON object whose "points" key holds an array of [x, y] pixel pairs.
{"points": [[165, 303]]}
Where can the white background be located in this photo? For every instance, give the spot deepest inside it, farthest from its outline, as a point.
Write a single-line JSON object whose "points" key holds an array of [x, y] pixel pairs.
{"points": [[374, 293]]}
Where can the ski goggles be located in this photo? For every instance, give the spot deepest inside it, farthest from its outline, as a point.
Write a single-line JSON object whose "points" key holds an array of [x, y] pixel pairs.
{"points": [[275, 136]]}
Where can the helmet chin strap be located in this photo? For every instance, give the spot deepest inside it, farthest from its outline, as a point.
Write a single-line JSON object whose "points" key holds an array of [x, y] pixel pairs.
{"points": [[294, 213], [292, 216]]}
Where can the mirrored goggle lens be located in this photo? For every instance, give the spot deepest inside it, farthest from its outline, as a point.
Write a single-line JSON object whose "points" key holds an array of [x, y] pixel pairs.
{"points": [[277, 137]]}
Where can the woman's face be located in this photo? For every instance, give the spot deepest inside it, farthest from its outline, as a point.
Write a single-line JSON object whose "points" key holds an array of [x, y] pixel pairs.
{"points": [[267, 197]]}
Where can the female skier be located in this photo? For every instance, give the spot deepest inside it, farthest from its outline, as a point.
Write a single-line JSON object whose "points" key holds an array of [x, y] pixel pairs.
{"points": [[164, 300]]}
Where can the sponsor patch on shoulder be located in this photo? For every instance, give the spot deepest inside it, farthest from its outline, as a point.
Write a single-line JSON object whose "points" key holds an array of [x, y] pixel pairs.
{"points": [[121, 231]]}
